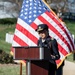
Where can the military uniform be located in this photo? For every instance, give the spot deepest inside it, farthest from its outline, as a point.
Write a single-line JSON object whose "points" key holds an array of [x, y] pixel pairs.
{"points": [[51, 45]]}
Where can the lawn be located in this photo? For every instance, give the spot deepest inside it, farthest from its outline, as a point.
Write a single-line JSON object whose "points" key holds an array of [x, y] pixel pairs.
{"points": [[9, 69], [71, 26], [3, 30]]}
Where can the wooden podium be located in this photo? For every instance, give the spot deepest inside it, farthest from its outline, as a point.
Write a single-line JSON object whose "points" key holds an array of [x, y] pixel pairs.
{"points": [[37, 59]]}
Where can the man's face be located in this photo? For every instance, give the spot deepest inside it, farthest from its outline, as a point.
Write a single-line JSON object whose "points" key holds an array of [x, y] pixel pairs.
{"points": [[43, 34]]}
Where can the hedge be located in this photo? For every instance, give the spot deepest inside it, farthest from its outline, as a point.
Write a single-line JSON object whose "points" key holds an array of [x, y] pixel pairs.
{"points": [[5, 58], [8, 21]]}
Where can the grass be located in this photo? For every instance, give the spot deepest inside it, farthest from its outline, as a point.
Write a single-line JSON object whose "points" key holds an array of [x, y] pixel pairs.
{"points": [[71, 26], [11, 69], [8, 69], [3, 30]]}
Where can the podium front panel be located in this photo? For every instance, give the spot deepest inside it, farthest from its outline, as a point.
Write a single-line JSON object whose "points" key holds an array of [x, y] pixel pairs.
{"points": [[31, 53]]}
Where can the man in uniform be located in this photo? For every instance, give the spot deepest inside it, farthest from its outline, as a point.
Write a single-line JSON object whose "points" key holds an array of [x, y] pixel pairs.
{"points": [[46, 41]]}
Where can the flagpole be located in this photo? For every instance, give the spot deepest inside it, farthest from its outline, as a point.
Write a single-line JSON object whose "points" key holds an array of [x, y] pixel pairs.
{"points": [[52, 11], [20, 68], [46, 4], [49, 7]]}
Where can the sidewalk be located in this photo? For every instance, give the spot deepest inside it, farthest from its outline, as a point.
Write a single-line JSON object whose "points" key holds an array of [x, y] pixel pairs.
{"points": [[69, 68]]}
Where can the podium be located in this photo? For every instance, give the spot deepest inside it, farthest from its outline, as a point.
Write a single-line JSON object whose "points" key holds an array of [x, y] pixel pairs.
{"points": [[37, 59]]}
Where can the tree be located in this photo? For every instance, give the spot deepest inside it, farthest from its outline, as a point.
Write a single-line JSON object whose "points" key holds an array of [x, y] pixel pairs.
{"points": [[58, 5], [18, 2]]}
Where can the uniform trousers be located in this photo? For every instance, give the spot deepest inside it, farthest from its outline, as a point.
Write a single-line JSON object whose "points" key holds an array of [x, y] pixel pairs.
{"points": [[52, 69]]}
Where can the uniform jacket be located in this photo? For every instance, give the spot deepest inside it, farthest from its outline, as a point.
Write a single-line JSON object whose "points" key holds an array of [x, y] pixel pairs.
{"points": [[51, 45]]}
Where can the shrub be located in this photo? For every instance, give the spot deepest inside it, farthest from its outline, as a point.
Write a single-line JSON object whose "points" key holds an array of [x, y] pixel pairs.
{"points": [[8, 21], [5, 58]]}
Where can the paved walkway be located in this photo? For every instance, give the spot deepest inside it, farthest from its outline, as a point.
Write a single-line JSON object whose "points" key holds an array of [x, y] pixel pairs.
{"points": [[69, 68]]}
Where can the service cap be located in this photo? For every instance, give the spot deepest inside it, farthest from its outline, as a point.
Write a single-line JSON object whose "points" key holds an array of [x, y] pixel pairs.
{"points": [[41, 27]]}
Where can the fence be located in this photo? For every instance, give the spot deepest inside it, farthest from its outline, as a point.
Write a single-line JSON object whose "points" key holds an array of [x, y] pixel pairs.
{"points": [[9, 38]]}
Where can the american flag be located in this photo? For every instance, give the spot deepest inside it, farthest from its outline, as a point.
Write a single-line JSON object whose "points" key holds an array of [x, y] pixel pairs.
{"points": [[33, 13]]}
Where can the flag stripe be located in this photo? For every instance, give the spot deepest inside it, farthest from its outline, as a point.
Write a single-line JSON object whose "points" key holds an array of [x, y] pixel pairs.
{"points": [[19, 41], [15, 43], [64, 52], [61, 45], [62, 56], [27, 33], [33, 25], [61, 26], [58, 61], [27, 27], [24, 38]]}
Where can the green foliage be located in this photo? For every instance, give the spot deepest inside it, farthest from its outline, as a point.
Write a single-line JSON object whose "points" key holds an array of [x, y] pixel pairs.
{"points": [[8, 21], [5, 47], [71, 26], [3, 30], [6, 29], [5, 57]]}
